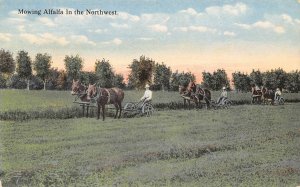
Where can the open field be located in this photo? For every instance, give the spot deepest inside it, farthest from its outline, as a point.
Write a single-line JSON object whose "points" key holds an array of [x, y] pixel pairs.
{"points": [[246, 145]]}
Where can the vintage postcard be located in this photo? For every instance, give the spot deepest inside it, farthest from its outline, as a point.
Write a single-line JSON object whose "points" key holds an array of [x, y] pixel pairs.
{"points": [[149, 93]]}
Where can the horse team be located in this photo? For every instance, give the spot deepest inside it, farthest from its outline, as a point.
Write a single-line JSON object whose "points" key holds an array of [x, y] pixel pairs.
{"points": [[115, 96], [102, 96], [262, 95]]}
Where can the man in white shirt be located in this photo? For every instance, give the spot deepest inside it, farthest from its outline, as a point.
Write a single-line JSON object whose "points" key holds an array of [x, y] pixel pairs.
{"points": [[277, 94], [223, 96], [147, 95]]}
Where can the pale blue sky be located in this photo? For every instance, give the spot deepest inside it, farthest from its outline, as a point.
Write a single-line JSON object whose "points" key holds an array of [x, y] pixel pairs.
{"points": [[185, 34]]}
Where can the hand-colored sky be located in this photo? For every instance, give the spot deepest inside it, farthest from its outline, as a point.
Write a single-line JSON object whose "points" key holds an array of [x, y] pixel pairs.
{"points": [[188, 35]]}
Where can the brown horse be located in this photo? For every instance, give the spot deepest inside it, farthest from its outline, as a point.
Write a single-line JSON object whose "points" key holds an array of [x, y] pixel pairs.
{"points": [[267, 95], [195, 93], [105, 96], [256, 95], [185, 94], [80, 90], [203, 94]]}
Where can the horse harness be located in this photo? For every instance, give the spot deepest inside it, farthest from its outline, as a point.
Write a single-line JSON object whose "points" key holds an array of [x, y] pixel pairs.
{"points": [[99, 94]]}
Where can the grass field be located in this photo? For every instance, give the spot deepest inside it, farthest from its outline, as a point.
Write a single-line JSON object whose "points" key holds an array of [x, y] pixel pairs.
{"points": [[246, 145], [39, 99]]}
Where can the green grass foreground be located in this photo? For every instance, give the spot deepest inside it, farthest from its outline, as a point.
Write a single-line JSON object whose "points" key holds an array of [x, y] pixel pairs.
{"points": [[246, 145]]}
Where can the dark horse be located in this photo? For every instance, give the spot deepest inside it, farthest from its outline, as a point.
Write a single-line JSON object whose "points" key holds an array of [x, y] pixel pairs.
{"points": [[256, 95], [267, 95], [80, 90], [105, 96], [195, 93]]}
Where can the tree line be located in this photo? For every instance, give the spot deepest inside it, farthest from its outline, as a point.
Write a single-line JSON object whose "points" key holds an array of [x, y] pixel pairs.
{"points": [[23, 72]]}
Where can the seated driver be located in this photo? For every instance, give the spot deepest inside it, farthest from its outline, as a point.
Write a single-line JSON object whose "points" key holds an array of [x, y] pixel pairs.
{"points": [[147, 97], [277, 94], [223, 96]]}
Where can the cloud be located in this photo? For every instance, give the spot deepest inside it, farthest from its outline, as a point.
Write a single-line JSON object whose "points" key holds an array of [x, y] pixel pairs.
{"points": [[115, 41], [46, 21], [244, 26], [5, 37], [145, 39], [228, 33], [119, 26], [287, 18], [158, 28], [235, 10], [195, 29], [191, 12], [45, 38], [15, 13], [269, 25], [82, 39], [127, 16], [262, 25], [98, 31]]}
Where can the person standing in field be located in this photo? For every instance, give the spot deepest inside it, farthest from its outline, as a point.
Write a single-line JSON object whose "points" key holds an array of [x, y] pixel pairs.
{"points": [[223, 96], [147, 97]]}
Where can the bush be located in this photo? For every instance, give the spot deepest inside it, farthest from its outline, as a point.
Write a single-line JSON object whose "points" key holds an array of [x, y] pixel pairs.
{"points": [[2, 81], [36, 83], [16, 82]]}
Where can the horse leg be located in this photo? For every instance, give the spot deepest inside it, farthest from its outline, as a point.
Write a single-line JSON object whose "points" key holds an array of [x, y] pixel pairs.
{"points": [[189, 104], [207, 103], [117, 109], [98, 112], [87, 111], [103, 112], [120, 107], [83, 110]]}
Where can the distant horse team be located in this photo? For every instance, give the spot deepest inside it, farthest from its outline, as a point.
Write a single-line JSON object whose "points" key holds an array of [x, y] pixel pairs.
{"points": [[190, 93], [195, 93], [264, 95]]}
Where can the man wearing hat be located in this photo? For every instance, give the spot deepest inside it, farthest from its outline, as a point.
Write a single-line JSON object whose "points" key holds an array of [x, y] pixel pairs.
{"points": [[277, 94], [147, 95], [223, 95]]}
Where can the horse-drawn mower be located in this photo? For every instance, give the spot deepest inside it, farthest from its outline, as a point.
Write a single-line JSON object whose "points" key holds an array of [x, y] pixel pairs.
{"points": [[138, 108], [130, 109], [224, 103]]}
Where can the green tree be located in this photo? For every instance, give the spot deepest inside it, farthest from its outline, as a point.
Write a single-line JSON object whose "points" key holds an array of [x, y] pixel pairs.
{"points": [[62, 80], [7, 63], [119, 81], [220, 79], [292, 83], [73, 66], [241, 81], [104, 73], [52, 78], [42, 66], [87, 78], [256, 78], [274, 79], [24, 69], [141, 72], [162, 75], [207, 80], [181, 79], [216, 80]]}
